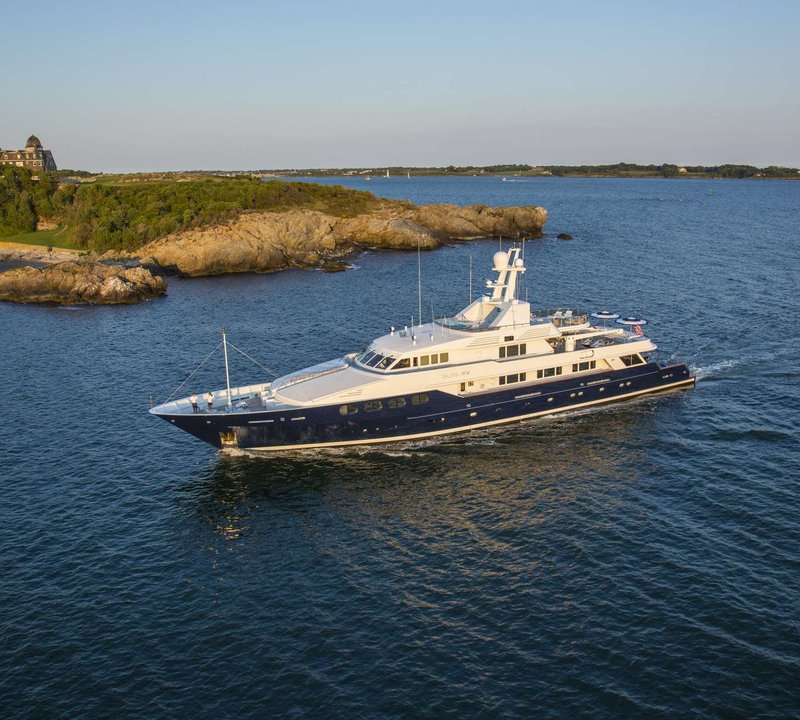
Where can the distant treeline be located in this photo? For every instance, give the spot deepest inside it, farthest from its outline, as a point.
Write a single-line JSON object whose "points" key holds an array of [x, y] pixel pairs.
{"points": [[103, 216], [615, 170], [670, 170]]}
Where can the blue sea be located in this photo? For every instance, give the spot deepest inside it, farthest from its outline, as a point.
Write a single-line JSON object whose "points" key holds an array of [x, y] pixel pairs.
{"points": [[639, 561]]}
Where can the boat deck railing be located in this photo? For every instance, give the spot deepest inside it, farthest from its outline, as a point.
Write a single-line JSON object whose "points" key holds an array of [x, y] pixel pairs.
{"points": [[326, 368], [246, 398], [561, 317], [453, 323]]}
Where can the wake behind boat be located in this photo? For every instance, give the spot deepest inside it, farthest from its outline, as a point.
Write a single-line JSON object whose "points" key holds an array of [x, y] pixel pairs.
{"points": [[494, 362]]}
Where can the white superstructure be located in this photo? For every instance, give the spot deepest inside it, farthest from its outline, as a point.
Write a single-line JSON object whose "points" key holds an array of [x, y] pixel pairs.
{"points": [[495, 341]]}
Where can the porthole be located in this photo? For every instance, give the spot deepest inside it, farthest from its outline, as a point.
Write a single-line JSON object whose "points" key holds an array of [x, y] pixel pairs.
{"points": [[473, 414], [549, 399], [572, 394], [602, 389]]}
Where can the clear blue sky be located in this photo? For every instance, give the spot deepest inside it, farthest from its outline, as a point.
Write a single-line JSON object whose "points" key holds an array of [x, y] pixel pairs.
{"points": [[242, 85]]}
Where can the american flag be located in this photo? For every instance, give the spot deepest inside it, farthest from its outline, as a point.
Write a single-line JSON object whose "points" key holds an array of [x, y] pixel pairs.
{"points": [[638, 330]]}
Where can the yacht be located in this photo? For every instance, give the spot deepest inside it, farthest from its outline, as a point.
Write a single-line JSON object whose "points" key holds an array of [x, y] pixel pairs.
{"points": [[494, 362]]}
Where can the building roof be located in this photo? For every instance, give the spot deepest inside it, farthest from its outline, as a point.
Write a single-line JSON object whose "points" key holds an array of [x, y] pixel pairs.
{"points": [[33, 141]]}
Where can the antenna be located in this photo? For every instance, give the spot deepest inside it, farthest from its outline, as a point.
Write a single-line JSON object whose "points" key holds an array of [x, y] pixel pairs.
{"points": [[227, 373], [470, 280], [419, 282]]}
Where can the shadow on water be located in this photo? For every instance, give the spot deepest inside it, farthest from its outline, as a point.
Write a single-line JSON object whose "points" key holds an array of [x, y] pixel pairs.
{"points": [[571, 457]]}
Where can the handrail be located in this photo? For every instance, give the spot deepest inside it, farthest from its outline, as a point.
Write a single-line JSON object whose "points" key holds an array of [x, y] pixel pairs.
{"points": [[326, 368]]}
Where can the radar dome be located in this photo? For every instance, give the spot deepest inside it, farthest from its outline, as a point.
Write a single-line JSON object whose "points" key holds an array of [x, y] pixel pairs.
{"points": [[518, 263], [500, 260]]}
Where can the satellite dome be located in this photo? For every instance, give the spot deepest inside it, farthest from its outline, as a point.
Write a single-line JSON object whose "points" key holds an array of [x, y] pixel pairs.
{"points": [[500, 260], [33, 141]]}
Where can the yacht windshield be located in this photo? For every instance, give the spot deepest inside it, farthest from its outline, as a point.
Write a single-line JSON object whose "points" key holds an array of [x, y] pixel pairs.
{"points": [[385, 362], [376, 360]]}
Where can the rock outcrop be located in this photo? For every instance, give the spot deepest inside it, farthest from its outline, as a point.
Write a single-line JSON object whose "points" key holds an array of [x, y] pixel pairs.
{"points": [[11, 253], [71, 283], [270, 241]]}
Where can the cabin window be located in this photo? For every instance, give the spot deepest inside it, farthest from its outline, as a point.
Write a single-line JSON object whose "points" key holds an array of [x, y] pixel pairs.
{"points": [[373, 406], [366, 357], [508, 351], [434, 359], [374, 360], [629, 360], [548, 372], [401, 364], [508, 338], [398, 402], [348, 409], [515, 378], [463, 387], [385, 362], [580, 367], [419, 399]]}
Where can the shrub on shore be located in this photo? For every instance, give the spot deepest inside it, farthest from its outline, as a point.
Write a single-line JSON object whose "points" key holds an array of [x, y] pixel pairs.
{"points": [[126, 216]]}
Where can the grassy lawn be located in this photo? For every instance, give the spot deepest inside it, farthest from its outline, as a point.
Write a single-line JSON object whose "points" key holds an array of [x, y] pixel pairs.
{"points": [[60, 238]]}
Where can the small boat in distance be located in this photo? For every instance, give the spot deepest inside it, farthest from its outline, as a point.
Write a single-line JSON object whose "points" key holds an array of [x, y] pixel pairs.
{"points": [[494, 362]]}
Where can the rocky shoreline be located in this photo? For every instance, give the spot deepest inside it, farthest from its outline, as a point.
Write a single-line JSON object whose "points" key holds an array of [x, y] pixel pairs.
{"points": [[256, 242], [270, 241], [81, 282]]}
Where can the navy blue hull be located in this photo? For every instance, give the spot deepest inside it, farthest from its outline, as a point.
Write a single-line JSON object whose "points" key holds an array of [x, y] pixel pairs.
{"points": [[443, 413]]}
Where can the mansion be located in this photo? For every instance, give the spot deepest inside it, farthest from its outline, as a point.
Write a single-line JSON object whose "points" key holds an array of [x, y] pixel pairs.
{"points": [[33, 157]]}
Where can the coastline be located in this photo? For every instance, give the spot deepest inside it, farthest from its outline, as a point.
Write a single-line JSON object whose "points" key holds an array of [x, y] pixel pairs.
{"points": [[252, 242]]}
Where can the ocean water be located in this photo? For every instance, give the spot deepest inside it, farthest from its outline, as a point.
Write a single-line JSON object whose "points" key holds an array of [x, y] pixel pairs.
{"points": [[638, 561]]}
